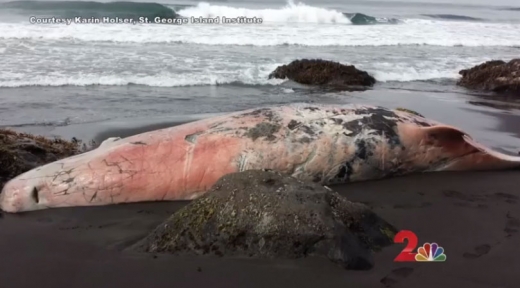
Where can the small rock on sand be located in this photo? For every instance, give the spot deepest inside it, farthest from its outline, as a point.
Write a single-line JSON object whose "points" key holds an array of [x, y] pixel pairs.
{"points": [[266, 214]]}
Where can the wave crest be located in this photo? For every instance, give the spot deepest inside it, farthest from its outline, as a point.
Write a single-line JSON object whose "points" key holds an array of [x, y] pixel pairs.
{"points": [[290, 13], [300, 13], [453, 17], [121, 9]]}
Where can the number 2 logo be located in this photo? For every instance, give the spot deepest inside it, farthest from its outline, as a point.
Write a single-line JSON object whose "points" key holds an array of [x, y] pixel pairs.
{"points": [[407, 254]]}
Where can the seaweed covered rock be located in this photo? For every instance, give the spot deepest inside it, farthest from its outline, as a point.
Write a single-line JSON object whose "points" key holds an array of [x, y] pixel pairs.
{"points": [[324, 73], [266, 214], [494, 76], [21, 152]]}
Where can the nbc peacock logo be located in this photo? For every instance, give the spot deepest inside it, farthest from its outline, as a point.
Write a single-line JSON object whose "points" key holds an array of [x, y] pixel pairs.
{"points": [[428, 252]]}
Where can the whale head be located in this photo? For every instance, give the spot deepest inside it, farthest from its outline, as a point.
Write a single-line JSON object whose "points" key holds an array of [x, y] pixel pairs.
{"points": [[55, 184], [27, 192]]}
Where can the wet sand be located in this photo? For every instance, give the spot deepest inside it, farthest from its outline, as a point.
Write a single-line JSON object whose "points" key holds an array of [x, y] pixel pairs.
{"points": [[474, 216]]}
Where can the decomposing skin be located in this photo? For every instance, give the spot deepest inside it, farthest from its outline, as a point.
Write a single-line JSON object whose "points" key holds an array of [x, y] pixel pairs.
{"points": [[328, 144]]}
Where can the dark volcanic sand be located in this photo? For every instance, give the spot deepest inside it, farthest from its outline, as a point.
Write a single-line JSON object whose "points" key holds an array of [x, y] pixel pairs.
{"points": [[474, 216]]}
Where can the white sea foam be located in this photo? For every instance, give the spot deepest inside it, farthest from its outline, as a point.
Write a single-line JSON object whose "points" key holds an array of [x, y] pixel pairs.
{"points": [[293, 24], [412, 32], [159, 80], [386, 72], [191, 65], [382, 73], [299, 13], [113, 54]]}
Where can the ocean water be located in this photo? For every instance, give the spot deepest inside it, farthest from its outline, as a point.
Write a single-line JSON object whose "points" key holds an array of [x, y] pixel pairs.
{"points": [[65, 79]]}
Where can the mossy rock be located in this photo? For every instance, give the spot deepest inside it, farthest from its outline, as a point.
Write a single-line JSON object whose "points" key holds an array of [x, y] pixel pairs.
{"points": [[266, 214], [326, 74], [21, 152], [493, 76]]}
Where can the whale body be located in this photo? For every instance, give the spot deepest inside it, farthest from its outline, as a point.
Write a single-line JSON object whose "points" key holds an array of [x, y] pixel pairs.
{"points": [[328, 144]]}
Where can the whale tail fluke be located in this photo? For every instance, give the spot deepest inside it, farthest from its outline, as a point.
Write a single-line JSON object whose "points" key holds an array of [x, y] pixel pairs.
{"points": [[509, 158], [467, 153]]}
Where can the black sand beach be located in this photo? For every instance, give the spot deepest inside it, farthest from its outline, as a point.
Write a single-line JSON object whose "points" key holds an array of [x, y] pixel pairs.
{"points": [[474, 216]]}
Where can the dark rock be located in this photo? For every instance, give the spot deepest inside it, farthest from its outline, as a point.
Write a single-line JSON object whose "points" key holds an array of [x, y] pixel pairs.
{"points": [[494, 76], [324, 73], [21, 152], [265, 214], [362, 19]]}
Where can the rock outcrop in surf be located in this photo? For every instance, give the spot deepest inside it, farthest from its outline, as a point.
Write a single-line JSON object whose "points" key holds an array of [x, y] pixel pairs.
{"points": [[266, 214], [21, 152], [363, 19], [324, 73], [494, 76]]}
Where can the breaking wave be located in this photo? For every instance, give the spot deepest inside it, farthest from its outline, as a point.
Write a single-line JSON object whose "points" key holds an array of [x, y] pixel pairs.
{"points": [[165, 79], [290, 13], [411, 32], [293, 24], [90, 9], [252, 74]]}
